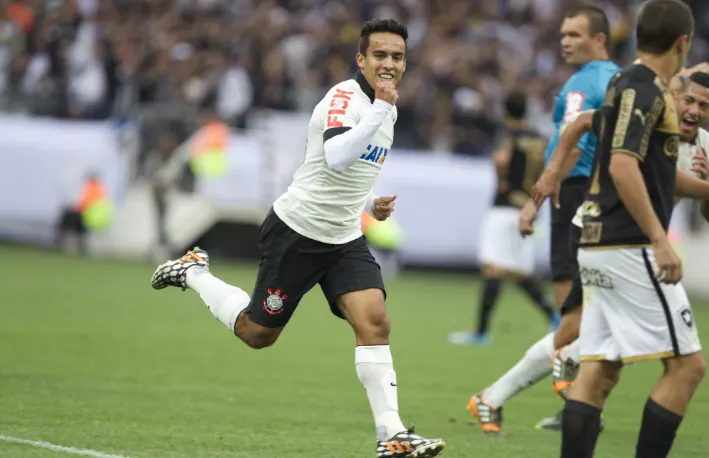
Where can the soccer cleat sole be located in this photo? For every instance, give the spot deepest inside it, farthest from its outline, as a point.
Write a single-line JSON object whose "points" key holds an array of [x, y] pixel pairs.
{"points": [[430, 450]]}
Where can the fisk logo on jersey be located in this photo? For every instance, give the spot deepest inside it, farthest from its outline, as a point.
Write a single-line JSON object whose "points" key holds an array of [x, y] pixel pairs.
{"points": [[375, 154], [338, 107]]}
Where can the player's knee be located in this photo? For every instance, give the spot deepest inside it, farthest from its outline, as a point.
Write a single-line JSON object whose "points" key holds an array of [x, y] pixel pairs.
{"points": [[254, 335], [599, 377], [690, 369], [259, 339], [377, 324]]}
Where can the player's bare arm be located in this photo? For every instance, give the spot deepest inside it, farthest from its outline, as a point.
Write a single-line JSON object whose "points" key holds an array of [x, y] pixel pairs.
{"points": [[526, 218], [563, 159]]}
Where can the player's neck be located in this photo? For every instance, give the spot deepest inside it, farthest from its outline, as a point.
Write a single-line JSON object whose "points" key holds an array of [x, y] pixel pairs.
{"points": [[663, 65]]}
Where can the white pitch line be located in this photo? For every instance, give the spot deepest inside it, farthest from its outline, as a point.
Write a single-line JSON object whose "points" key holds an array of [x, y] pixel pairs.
{"points": [[59, 448]]}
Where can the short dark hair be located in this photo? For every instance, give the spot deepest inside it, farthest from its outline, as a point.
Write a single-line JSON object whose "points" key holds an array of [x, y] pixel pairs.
{"points": [[516, 104], [379, 26], [700, 78], [597, 21], [661, 23]]}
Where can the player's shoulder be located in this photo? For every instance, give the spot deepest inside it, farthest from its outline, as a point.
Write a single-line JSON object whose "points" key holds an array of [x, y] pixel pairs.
{"points": [[343, 88], [638, 76]]}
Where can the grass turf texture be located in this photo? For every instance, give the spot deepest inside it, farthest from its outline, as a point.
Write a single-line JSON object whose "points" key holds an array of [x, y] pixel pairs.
{"points": [[92, 357]]}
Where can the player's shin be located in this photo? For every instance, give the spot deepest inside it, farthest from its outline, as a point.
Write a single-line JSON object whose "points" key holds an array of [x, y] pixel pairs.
{"points": [[226, 302], [375, 369], [581, 424], [535, 365], [658, 431]]}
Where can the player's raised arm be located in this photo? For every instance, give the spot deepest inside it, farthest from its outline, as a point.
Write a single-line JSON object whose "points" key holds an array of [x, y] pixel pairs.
{"points": [[346, 140]]}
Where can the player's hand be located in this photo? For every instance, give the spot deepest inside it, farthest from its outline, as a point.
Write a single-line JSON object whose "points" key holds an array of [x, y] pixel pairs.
{"points": [[526, 218], [668, 263], [700, 164], [387, 92], [548, 185], [383, 207]]}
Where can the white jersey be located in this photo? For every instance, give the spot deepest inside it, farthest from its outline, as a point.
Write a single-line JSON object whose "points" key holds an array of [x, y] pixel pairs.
{"points": [[323, 204], [684, 163]]}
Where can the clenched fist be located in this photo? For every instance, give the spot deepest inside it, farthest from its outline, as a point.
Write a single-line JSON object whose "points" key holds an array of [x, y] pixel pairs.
{"points": [[387, 92]]}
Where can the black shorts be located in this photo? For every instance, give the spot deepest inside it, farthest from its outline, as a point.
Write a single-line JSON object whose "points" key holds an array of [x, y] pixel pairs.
{"points": [[291, 265], [71, 221], [575, 298], [564, 235]]}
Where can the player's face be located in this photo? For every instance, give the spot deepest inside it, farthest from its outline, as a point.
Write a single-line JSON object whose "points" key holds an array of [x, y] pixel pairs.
{"points": [[576, 41], [385, 59], [692, 109]]}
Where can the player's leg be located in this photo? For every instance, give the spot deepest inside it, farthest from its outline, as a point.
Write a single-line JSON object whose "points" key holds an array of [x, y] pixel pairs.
{"points": [[684, 368], [492, 284], [282, 281], [599, 369], [495, 254], [565, 361], [355, 291], [667, 404], [581, 418], [534, 366]]}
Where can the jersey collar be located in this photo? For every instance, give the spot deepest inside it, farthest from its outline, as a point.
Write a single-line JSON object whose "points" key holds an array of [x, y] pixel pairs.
{"points": [[364, 85]]}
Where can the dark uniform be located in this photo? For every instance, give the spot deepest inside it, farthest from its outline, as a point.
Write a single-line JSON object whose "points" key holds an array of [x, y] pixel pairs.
{"points": [[645, 120], [606, 221], [524, 169], [629, 314]]}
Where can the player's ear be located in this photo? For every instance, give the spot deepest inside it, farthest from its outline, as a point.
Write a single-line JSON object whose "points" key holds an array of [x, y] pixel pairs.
{"points": [[600, 38], [360, 61]]}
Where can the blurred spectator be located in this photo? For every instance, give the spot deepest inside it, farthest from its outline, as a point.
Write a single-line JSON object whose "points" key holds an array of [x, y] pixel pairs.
{"points": [[91, 59]]}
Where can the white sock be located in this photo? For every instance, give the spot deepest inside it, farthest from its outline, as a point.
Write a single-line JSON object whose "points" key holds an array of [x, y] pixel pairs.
{"points": [[572, 351], [375, 370], [226, 302], [534, 366]]}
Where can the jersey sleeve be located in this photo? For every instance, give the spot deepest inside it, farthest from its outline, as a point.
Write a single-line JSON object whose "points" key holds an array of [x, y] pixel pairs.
{"points": [[341, 113], [583, 95], [639, 107]]}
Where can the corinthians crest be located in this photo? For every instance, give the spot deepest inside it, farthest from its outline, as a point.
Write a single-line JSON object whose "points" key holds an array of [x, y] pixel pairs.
{"points": [[274, 302]]}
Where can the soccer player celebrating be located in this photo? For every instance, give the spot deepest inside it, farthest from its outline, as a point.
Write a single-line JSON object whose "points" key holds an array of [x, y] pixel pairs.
{"points": [[313, 235], [504, 254], [692, 100], [634, 309], [585, 41]]}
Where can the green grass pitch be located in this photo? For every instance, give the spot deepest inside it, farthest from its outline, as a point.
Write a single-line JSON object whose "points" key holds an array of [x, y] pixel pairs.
{"points": [[91, 357]]}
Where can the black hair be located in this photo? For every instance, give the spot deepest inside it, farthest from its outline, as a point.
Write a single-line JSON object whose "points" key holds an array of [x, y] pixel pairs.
{"points": [[597, 21], [516, 104], [379, 26], [661, 23], [700, 78]]}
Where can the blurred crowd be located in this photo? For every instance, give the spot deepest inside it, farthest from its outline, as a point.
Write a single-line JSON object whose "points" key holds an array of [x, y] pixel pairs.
{"points": [[94, 59]]}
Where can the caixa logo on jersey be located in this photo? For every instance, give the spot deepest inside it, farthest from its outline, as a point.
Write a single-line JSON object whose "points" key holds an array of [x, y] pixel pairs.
{"points": [[375, 154]]}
